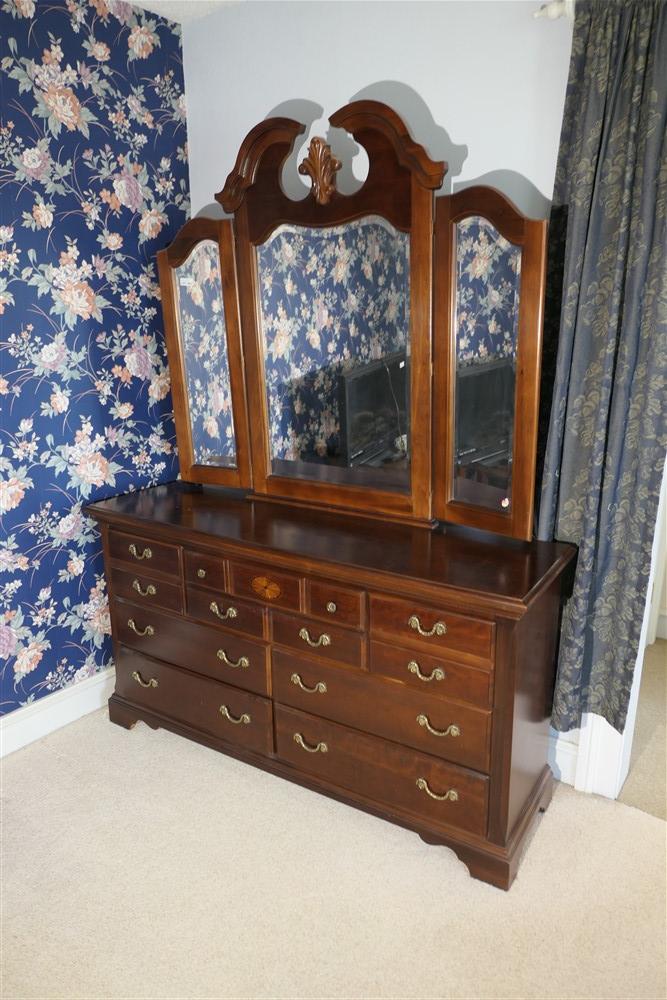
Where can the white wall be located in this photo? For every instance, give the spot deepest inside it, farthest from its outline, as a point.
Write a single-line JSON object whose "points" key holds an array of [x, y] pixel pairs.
{"points": [[480, 84]]}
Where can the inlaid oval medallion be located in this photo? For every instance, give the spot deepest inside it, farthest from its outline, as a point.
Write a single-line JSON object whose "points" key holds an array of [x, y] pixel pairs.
{"points": [[268, 589]]}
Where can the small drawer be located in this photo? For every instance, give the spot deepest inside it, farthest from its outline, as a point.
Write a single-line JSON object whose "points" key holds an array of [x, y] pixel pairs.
{"points": [[264, 583], [356, 698], [435, 675], [342, 605], [154, 557], [137, 586], [204, 570], [217, 608], [418, 786], [218, 653], [432, 629], [234, 716], [330, 642]]}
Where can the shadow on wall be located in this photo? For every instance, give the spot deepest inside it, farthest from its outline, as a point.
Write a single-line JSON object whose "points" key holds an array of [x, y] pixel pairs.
{"points": [[417, 116]]}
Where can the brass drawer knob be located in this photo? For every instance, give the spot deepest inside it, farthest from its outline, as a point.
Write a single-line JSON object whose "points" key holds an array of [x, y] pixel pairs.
{"points": [[242, 661], [332, 607], [449, 731], [149, 630], [324, 639], [150, 590], [438, 629], [320, 748], [450, 795], [231, 612], [201, 573], [146, 554], [136, 676], [320, 687], [242, 719], [437, 674]]}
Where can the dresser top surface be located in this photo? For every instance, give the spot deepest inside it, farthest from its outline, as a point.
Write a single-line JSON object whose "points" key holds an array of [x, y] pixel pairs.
{"points": [[448, 556]]}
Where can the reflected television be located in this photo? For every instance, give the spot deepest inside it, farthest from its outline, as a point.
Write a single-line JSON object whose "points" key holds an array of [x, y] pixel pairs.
{"points": [[374, 407]]}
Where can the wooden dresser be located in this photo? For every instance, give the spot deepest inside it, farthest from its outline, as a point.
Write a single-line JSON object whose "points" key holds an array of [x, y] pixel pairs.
{"points": [[403, 671]]}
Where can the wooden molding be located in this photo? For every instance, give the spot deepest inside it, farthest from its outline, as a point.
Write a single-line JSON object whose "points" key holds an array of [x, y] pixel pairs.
{"points": [[321, 166]]}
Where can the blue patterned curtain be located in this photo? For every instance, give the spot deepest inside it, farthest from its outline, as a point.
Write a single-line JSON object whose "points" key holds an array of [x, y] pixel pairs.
{"points": [[607, 438]]}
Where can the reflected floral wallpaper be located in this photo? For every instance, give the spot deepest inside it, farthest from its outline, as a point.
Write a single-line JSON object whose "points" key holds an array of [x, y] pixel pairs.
{"points": [[488, 271], [93, 181], [202, 326], [330, 299]]}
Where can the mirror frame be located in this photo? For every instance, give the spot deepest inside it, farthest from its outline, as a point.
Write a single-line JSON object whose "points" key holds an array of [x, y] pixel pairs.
{"points": [[399, 187], [530, 235], [188, 237]]}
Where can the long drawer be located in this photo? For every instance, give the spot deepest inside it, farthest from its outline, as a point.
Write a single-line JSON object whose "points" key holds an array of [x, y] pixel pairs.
{"points": [[432, 629], [384, 773], [446, 729], [232, 715], [215, 652]]}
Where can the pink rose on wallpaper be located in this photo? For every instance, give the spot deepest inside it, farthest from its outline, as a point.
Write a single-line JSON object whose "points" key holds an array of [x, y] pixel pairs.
{"points": [[128, 191], [121, 10], [141, 41], [151, 223], [7, 642], [26, 8], [35, 162], [12, 491], [100, 51], [42, 215], [78, 298], [64, 105], [92, 468], [138, 362], [69, 526], [53, 355], [29, 657]]}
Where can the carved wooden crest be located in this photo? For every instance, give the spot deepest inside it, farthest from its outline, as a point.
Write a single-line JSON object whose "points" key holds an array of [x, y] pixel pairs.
{"points": [[321, 167]]}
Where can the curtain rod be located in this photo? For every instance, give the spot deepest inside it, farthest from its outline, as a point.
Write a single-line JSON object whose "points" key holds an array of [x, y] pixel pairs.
{"points": [[555, 9]]}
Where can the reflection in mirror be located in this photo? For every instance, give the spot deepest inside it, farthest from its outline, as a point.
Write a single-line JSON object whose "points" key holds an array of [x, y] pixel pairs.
{"points": [[488, 272], [201, 324], [335, 319]]}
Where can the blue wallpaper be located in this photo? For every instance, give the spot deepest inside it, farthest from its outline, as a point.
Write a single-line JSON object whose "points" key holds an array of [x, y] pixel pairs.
{"points": [[330, 299], [93, 181]]}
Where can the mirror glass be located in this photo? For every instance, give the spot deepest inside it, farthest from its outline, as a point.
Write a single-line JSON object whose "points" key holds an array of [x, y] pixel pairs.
{"points": [[334, 305], [486, 322], [201, 323]]}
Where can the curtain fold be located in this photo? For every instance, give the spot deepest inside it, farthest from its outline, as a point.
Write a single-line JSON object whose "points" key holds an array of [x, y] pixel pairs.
{"points": [[607, 437]]}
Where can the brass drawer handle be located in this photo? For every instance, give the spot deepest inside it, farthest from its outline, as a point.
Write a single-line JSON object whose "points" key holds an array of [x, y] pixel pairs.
{"points": [[136, 676], [332, 607], [242, 661], [146, 554], [201, 573], [242, 719], [449, 731], [320, 687], [231, 612], [149, 630], [437, 674], [324, 639], [450, 795], [150, 590], [320, 748], [438, 629]]}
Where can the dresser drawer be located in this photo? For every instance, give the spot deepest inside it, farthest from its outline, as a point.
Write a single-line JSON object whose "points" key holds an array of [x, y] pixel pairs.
{"points": [[383, 772], [144, 553], [263, 583], [318, 639], [136, 585], [204, 570], [443, 728], [221, 609], [215, 652], [341, 605], [432, 675], [432, 629], [232, 715]]}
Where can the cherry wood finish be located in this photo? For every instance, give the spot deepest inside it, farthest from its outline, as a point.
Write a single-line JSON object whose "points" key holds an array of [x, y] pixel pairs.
{"points": [[145, 589], [499, 598], [530, 235], [192, 233]]}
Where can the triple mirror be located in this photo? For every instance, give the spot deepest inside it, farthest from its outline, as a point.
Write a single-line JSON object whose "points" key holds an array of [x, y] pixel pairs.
{"points": [[330, 351]]}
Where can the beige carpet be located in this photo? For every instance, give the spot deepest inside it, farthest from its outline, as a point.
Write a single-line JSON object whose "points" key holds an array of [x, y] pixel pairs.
{"points": [[140, 865], [646, 784]]}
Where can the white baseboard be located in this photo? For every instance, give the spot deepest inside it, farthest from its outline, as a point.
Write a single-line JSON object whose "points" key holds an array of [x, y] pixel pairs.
{"points": [[563, 753], [44, 716]]}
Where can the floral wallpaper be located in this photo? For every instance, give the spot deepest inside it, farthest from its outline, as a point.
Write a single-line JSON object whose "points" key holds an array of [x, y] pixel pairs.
{"points": [[331, 299], [488, 269], [202, 326], [93, 181]]}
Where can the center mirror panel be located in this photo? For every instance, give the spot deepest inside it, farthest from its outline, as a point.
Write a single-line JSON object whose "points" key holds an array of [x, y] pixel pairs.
{"points": [[334, 309], [203, 336]]}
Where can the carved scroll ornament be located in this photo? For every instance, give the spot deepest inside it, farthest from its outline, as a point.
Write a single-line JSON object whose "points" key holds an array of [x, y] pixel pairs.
{"points": [[321, 167]]}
